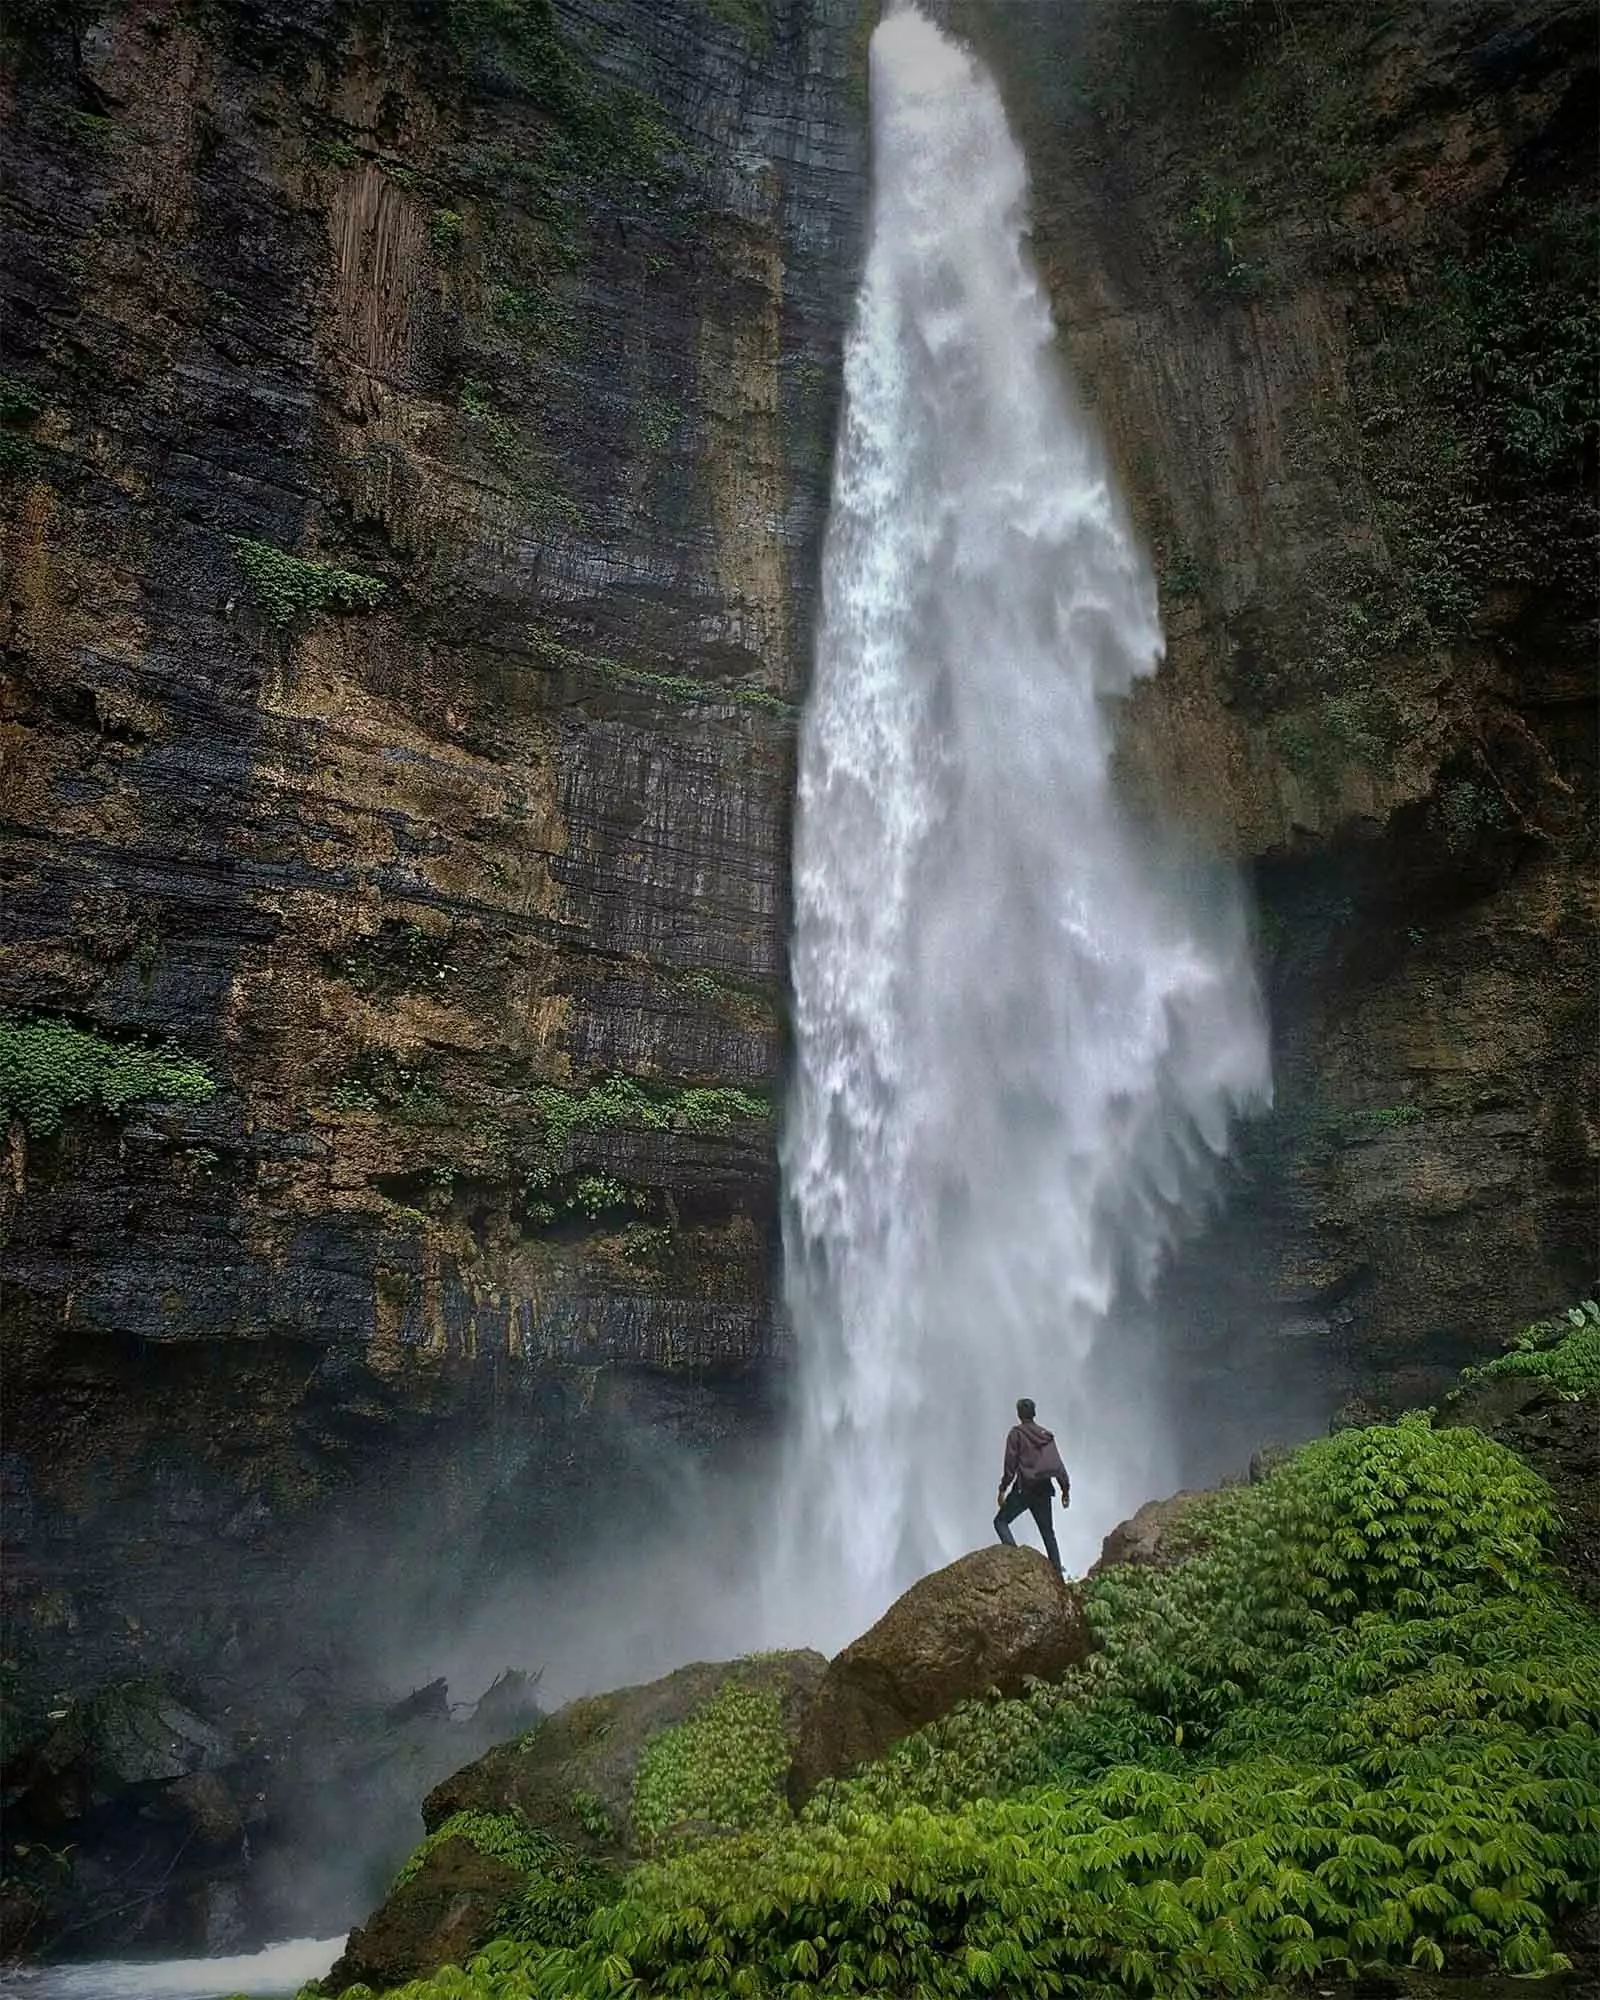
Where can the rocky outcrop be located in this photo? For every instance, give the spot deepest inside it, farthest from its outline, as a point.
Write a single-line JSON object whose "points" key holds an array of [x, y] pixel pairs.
{"points": [[991, 1621], [1146, 1540], [564, 1794], [441, 1918], [414, 445], [575, 1772], [1325, 274]]}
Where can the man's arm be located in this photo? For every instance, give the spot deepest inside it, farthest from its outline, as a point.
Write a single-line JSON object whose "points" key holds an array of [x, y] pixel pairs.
{"points": [[1008, 1471]]}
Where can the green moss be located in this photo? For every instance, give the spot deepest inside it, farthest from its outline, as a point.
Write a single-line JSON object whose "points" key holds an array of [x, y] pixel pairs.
{"points": [[1321, 742], [724, 1766], [1466, 811], [659, 420], [1563, 1352], [20, 402], [289, 588], [446, 229], [48, 1068]]}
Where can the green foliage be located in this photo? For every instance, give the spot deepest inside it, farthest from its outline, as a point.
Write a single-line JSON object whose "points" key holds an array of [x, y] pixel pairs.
{"points": [[1215, 222], [1359, 1724], [620, 1103], [446, 228], [589, 1809], [752, 19], [1466, 811], [561, 1896], [676, 687], [48, 1068], [647, 1246], [1563, 1352], [507, 1836], [381, 1082], [20, 402], [288, 588], [598, 129], [725, 1766], [1525, 343], [1321, 742], [659, 418]]}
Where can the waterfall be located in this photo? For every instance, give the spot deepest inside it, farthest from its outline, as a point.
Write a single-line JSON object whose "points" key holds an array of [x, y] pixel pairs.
{"points": [[1017, 1047]]}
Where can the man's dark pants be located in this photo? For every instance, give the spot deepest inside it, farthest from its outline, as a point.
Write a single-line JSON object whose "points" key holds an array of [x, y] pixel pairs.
{"points": [[1034, 1500]]}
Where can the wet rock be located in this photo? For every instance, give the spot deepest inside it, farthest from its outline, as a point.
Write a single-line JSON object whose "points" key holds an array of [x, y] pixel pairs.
{"points": [[1264, 1458], [990, 1621], [440, 1917]]}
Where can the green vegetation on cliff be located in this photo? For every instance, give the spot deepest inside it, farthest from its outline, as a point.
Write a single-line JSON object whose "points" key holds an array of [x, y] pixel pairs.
{"points": [[288, 588], [1357, 1723], [725, 1766], [1563, 1352], [506, 1835], [48, 1068]]}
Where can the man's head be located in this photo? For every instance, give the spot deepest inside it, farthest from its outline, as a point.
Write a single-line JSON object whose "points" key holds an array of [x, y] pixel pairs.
{"points": [[1025, 1408]]}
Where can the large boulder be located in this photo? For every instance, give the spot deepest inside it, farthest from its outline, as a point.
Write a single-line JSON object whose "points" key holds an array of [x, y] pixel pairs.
{"points": [[567, 1783], [1148, 1539], [992, 1621], [443, 1915]]}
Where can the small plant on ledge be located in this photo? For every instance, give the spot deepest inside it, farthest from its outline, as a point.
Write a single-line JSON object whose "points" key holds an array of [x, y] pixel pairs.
{"points": [[288, 588]]}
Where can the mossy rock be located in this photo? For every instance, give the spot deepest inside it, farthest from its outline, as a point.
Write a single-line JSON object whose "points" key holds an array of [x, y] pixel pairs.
{"points": [[572, 1775], [443, 1914], [546, 1807]]}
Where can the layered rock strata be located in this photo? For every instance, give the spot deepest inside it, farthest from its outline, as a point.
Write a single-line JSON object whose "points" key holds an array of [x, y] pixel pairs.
{"points": [[416, 426]]}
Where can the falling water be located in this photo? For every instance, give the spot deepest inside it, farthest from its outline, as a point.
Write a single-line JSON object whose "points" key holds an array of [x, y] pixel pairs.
{"points": [[1017, 1052]]}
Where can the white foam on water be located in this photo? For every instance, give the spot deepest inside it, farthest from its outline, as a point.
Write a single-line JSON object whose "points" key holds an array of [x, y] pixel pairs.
{"points": [[268, 1974]]}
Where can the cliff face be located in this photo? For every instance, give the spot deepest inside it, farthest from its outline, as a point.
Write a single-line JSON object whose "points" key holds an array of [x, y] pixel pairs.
{"points": [[415, 434], [1328, 273]]}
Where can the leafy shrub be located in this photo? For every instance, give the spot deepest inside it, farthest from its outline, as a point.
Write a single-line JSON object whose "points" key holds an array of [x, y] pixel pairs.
{"points": [[507, 1836], [288, 588], [48, 1068], [725, 1764], [1564, 1352]]}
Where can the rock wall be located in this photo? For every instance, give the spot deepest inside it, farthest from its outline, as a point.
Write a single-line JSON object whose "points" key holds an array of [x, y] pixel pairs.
{"points": [[1327, 276], [415, 435]]}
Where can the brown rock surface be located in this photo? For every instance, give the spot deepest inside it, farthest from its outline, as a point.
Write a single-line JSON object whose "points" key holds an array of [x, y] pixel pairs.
{"points": [[993, 1619], [442, 1915], [1145, 1538], [331, 281]]}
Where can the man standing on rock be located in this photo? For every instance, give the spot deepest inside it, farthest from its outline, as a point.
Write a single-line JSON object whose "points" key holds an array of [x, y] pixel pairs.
{"points": [[1032, 1467]]}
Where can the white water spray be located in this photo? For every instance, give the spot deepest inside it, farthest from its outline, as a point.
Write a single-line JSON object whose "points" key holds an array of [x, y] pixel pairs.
{"points": [[1017, 1055]]}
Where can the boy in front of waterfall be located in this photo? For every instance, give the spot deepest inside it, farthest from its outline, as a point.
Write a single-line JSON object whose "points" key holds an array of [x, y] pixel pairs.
{"points": [[1032, 1466]]}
